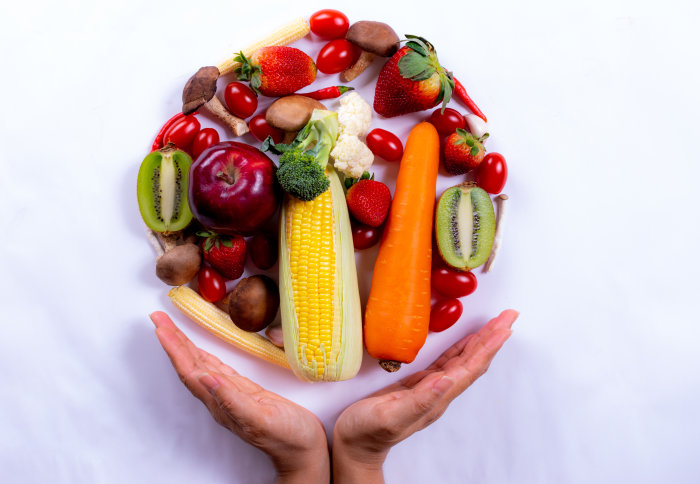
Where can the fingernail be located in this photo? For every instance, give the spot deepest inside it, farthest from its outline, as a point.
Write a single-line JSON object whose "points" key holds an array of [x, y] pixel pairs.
{"points": [[208, 381], [444, 384]]}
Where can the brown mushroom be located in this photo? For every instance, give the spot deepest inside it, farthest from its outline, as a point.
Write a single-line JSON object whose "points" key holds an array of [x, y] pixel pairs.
{"points": [[374, 38], [291, 113], [200, 90], [176, 264]]}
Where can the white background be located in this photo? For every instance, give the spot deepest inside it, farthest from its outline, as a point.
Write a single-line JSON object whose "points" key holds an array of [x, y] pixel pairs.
{"points": [[595, 107]]}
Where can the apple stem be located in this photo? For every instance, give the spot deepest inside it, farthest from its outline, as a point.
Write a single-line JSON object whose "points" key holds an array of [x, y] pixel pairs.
{"points": [[226, 177], [498, 237]]}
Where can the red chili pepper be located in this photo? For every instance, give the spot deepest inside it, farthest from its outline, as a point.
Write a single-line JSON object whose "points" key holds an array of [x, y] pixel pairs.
{"points": [[464, 97], [158, 142], [327, 92]]}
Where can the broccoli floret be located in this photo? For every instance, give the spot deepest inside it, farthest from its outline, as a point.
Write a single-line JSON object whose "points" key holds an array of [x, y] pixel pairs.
{"points": [[300, 175]]}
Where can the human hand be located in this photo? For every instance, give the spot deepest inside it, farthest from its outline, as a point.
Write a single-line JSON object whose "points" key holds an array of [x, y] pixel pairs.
{"points": [[291, 435], [367, 429]]}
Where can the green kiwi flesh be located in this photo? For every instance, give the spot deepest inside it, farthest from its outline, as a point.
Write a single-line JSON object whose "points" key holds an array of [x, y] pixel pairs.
{"points": [[464, 226], [162, 190]]}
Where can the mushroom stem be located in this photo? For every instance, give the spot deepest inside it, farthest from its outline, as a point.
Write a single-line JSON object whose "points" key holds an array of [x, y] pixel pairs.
{"points": [[358, 67], [238, 126], [167, 241], [151, 236], [498, 237]]}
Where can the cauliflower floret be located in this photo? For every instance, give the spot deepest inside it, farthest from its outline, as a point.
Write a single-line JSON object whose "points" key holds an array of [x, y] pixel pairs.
{"points": [[351, 156], [354, 114]]}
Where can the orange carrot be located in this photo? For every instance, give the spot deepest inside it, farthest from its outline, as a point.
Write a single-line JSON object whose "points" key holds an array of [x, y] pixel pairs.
{"points": [[398, 310]]}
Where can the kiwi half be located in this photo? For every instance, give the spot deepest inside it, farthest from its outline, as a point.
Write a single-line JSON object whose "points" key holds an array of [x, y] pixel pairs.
{"points": [[464, 226], [162, 190]]}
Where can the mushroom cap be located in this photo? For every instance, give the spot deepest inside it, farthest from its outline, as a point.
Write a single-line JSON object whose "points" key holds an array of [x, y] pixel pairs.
{"points": [[179, 265], [291, 113], [200, 88], [374, 37]]}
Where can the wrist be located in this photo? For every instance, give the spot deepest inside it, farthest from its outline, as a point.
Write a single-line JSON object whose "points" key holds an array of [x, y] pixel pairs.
{"points": [[308, 467], [353, 465]]}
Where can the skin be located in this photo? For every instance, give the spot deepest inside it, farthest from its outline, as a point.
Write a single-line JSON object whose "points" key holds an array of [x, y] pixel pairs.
{"points": [[364, 433]]}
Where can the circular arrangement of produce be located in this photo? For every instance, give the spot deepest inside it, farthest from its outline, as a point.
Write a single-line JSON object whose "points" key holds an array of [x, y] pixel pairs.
{"points": [[300, 180]]}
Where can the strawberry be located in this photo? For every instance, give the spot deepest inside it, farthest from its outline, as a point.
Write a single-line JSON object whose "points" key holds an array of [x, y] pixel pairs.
{"points": [[412, 80], [225, 254], [277, 70], [463, 151], [369, 201]]}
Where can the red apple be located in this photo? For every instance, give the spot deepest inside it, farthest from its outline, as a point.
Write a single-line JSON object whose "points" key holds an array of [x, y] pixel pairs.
{"points": [[233, 188]]}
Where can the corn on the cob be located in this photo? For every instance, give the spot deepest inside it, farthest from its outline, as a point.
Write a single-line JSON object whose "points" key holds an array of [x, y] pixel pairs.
{"points": [[218, 322], [319, 296], [294, 30]]}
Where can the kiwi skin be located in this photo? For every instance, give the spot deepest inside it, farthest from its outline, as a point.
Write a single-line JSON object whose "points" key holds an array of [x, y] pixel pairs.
{"points": [[457, 211], [254, 302]]}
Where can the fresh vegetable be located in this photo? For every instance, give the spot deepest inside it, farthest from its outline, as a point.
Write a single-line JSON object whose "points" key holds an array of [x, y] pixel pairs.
{"points": [[336, 56], [398, 308], [444, 314], [364, 236], [369, 201], [302, 164], [263, 250], [492, 173], [161, 188], [462, 95], [477, 126], [351, 156], [329, 24], [464, 226], [375, 39], [211, 285], [204, 139], [224, 253], [253, 303], [498, 237], [385, 144], [158, 141], [451, 283], [182, 132], [463, 152], [412, 80], [447, 121], [219, 323], [276, 71], [233, 189], [354, 115], [175, 264], [327, 92], [261, 130], [291, 113], [320, 300], [240, 99]]}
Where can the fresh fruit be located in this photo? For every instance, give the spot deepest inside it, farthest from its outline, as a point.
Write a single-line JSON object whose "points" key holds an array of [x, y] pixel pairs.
{"points": [[464, 226], [162, 190], [261, 130], [182, 132], [263, 250], [412, 80], [447, 121], [364, 236], [211, 285], [385, 144], [158, 141], [444, 314], [240, 99], [451, 283], [276, 71], [204, 139], [233, 188], [330, 92], [329, 24], [336, 56], [369, 202], [463, 152], [224, 253], [253, 303], [492, 173]]}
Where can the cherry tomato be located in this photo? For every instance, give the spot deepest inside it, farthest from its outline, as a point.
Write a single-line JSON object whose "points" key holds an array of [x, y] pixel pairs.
{"points": [[492, 173], [385, 144], [182, 132], [336, 56], [329, 24], [240, 99], [447, 123], [364, 236], [263, 250], [260, 129], [451, 283], [203, 140], [444, 314], [212, 285]]}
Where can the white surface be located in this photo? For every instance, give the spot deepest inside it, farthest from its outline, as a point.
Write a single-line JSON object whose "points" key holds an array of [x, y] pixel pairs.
{"points": [[595, 108]]}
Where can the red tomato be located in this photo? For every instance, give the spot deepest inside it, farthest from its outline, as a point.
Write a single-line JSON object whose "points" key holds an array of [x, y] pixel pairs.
{"points": [[447, 123], [240, 99], [260, 129], [385, 144], [182, 132], [212, 285], [364, 236], [329, 23], [203, 140], [492, 173], [451, 283], [444, 314], [263, 250], [336, 56]]}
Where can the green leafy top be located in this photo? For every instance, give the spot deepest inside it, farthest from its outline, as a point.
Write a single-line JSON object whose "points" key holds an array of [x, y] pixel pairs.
{"points": [[214, 240], [466, 138], [248, 72], [421, 62]]}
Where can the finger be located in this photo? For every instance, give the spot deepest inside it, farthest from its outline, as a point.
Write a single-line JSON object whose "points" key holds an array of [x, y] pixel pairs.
{"points": [[452, 352], [478, 360], [239, 405], [162, 320]]}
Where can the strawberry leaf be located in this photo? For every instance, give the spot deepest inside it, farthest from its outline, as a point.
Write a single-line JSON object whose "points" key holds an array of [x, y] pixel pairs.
{"points": [[208, 244], [474, 151], [227, 243], [415, 67]]}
